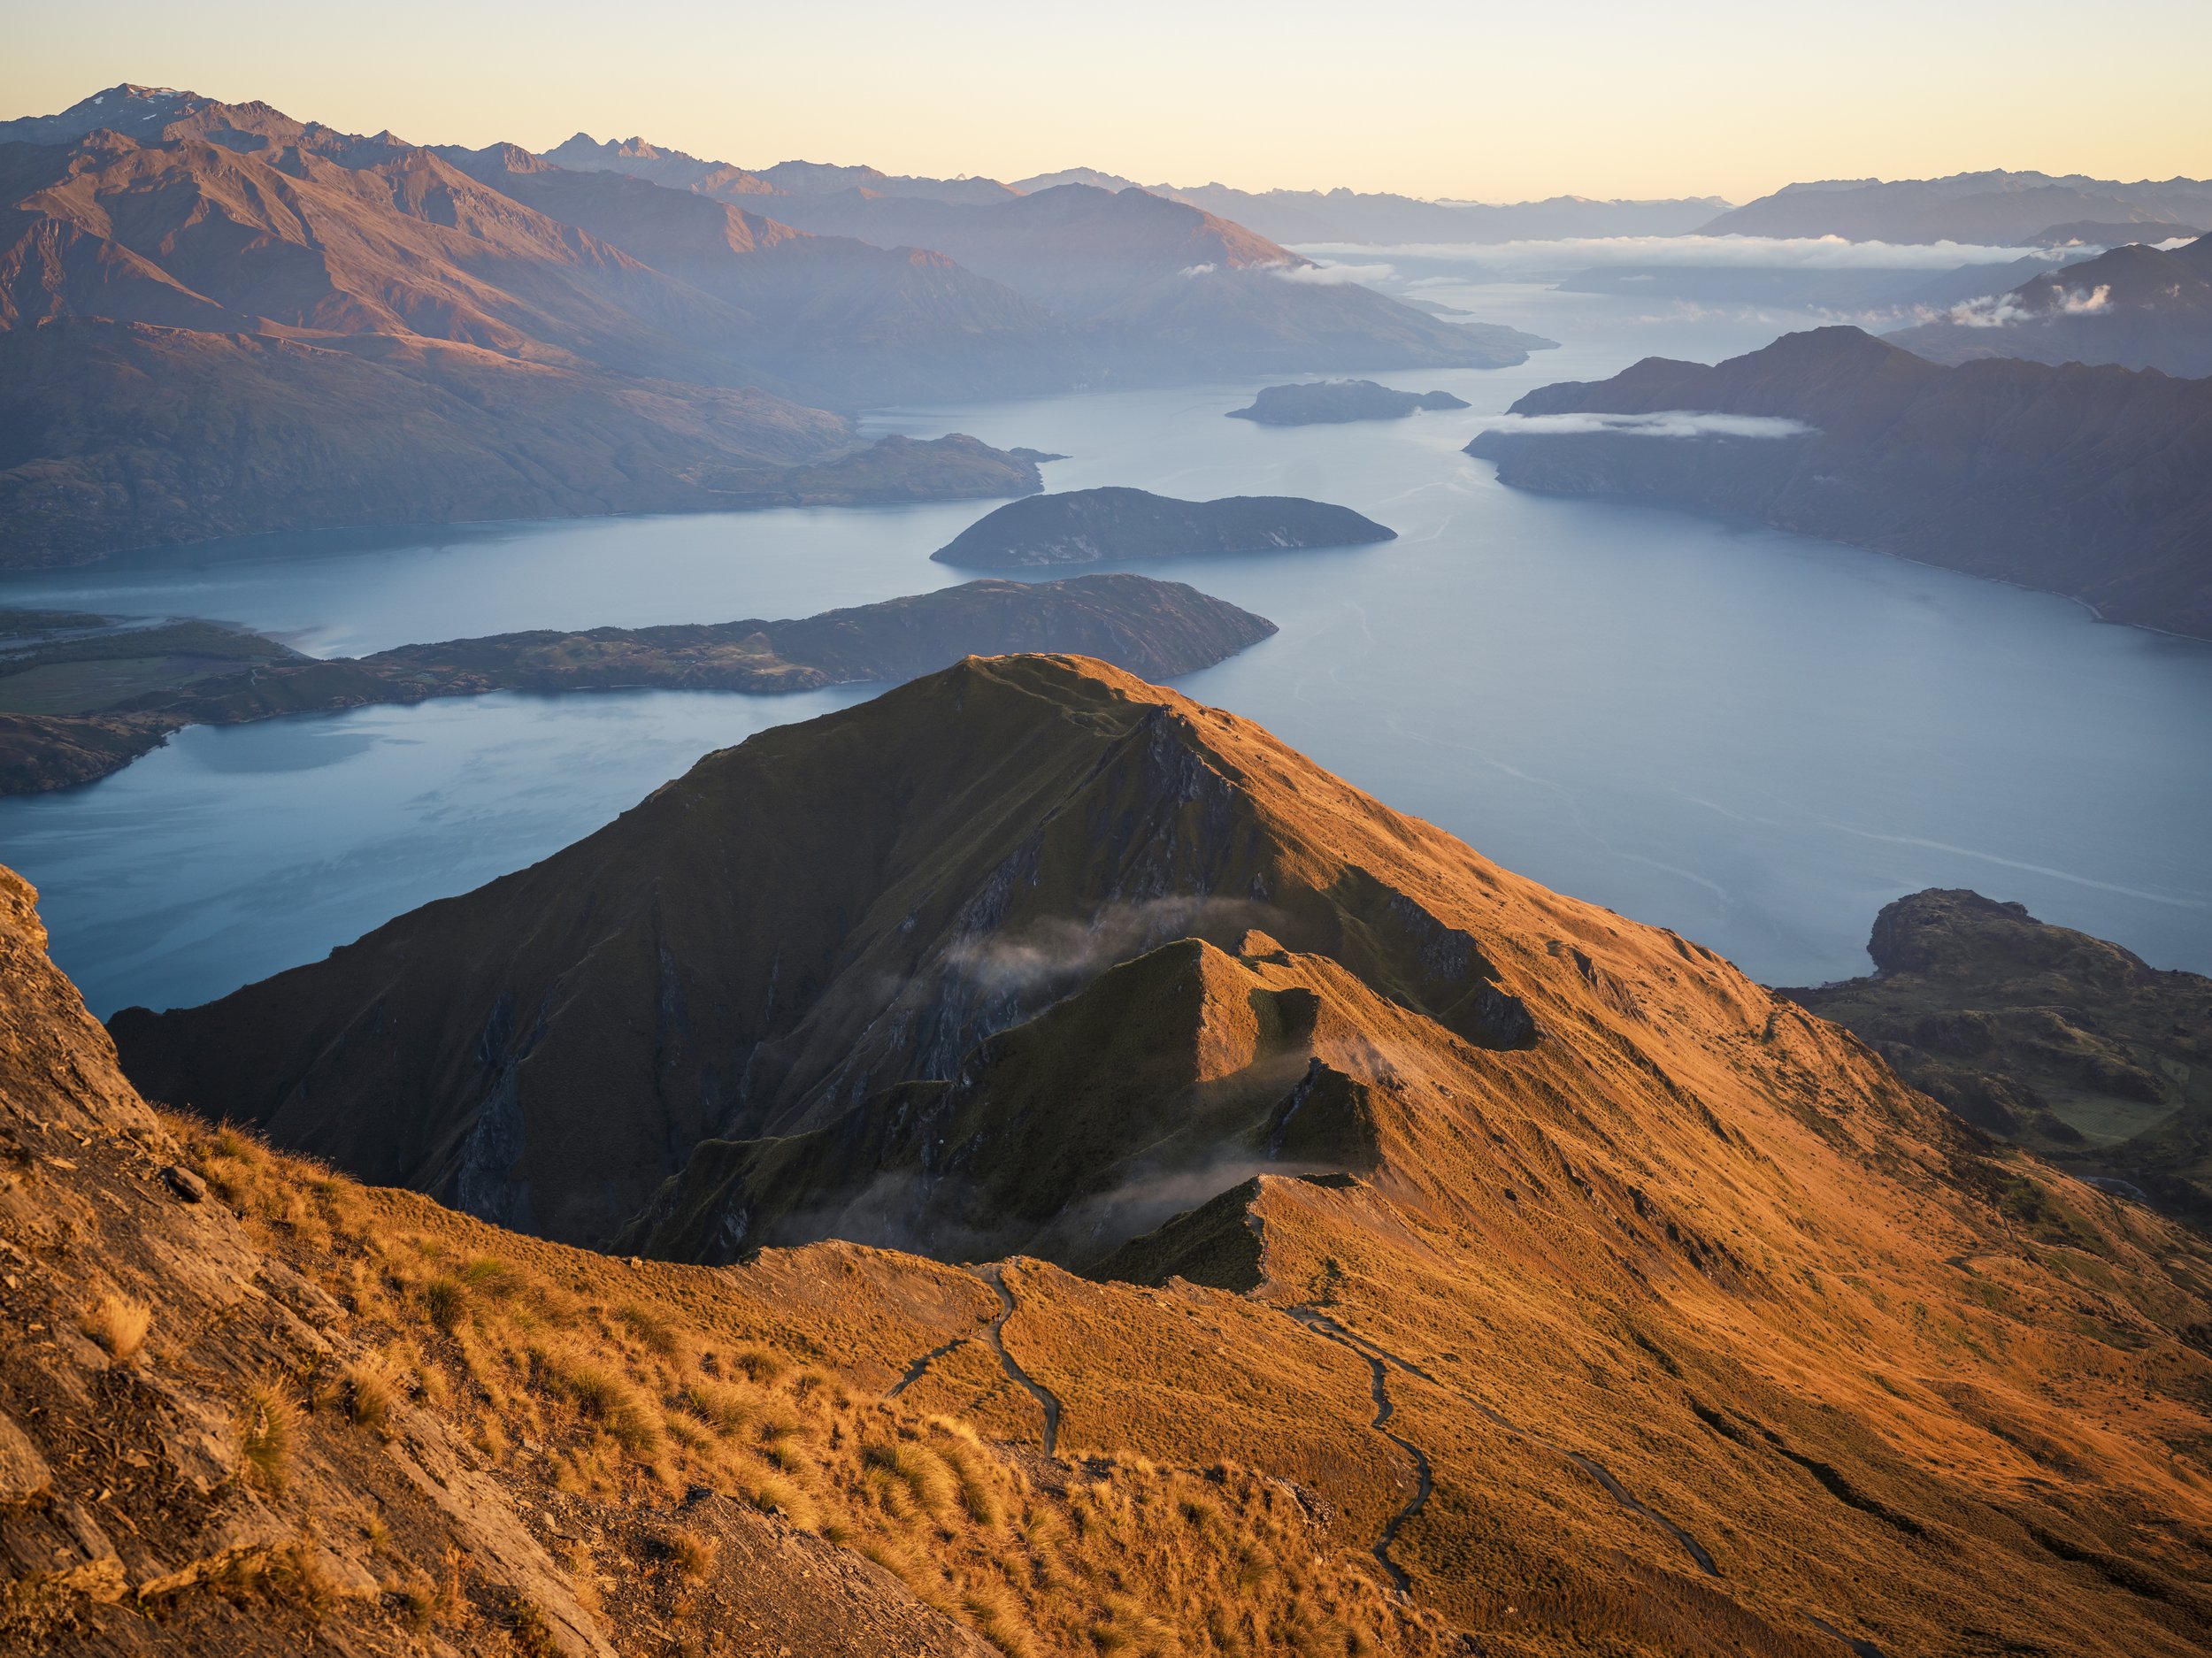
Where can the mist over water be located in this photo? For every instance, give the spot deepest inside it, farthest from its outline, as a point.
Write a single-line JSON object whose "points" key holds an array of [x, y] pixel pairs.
{"points": [[1755, 739]]}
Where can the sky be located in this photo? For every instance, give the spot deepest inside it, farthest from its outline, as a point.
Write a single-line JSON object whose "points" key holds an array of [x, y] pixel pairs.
{"points": [[1460, 98]]}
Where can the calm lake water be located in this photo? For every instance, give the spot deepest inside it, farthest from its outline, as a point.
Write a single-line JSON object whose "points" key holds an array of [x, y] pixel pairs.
{"points": [[1755, 739]]}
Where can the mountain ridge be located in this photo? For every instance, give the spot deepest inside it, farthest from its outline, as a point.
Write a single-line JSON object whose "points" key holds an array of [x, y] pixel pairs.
{"points": [[1666, 1294]]}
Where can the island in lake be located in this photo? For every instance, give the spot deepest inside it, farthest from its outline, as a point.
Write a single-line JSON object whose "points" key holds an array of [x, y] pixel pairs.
{"points": [[81, 696], [1332, 402], [1082, 526]]}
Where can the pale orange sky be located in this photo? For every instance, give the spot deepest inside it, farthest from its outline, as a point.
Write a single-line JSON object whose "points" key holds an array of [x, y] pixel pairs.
{"points": [[1595, 98]]}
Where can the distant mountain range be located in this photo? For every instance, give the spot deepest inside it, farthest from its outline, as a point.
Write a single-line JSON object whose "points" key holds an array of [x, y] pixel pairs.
{"points": [[2091, 481], [217, 320], [1994, 209], [2137, 306], [1342, 215]]}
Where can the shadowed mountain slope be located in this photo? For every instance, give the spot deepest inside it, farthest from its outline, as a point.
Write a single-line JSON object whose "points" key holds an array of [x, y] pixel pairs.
{"points": [[1629, 1305], [2045, 1036], [2093, 482], [235, 322], [840, 316], [2139, 307], [249, 1409], [1165, 288]]}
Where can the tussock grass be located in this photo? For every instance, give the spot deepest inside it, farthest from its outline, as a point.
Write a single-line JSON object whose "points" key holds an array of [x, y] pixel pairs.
{"points": [[693, 1551], [119, 1324], [444, 1301], [267, 1425], [369, 1392], [577, 1375]]}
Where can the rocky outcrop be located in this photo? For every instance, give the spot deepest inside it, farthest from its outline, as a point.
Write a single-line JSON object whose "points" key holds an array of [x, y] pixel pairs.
{"points": [[2044, 1036]]}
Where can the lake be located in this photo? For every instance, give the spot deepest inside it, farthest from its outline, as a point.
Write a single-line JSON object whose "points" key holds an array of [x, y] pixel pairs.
{"points": [[1755, 739]]}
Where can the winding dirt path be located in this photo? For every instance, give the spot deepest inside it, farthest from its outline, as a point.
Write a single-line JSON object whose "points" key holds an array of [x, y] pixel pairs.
{"points": [[1379, 1384], [993, 1275], [1378, 1357]]}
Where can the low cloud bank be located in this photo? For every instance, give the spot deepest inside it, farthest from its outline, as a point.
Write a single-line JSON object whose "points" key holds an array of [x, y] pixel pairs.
{"points": [[2005, 310], [1332, 275], [1810, 253], [1669, 423], [1053, 951]]}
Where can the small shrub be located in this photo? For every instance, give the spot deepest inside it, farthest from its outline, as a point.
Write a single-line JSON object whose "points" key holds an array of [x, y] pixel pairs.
{"points": [[299, 1571], [119, 1324], [418, 1600], [493, 1277]]}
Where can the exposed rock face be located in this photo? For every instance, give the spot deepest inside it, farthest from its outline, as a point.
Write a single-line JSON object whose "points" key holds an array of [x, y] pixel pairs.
{"points": [[1087, 525], [2094, 483], [1330, 401], [162, 679], [2045, 1036]]}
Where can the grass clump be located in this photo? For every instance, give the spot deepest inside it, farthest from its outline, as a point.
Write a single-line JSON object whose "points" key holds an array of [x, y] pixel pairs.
{"points": [[267, 1427], [692, 1550], [371, 1391], [444, 1300], [120, 1325]]}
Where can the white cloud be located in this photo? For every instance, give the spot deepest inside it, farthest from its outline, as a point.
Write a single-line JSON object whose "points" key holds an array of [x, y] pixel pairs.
{"points": [[1991, 311], [1332, 275], [2005, 310], [1666, 423], [1198, 270], [1811, 253]]}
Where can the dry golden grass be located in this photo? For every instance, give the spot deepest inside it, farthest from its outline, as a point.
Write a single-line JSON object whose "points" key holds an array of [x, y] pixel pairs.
{"points": [[369, 1392], [629, 1397], [267, 1425], [119, 1324]]}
